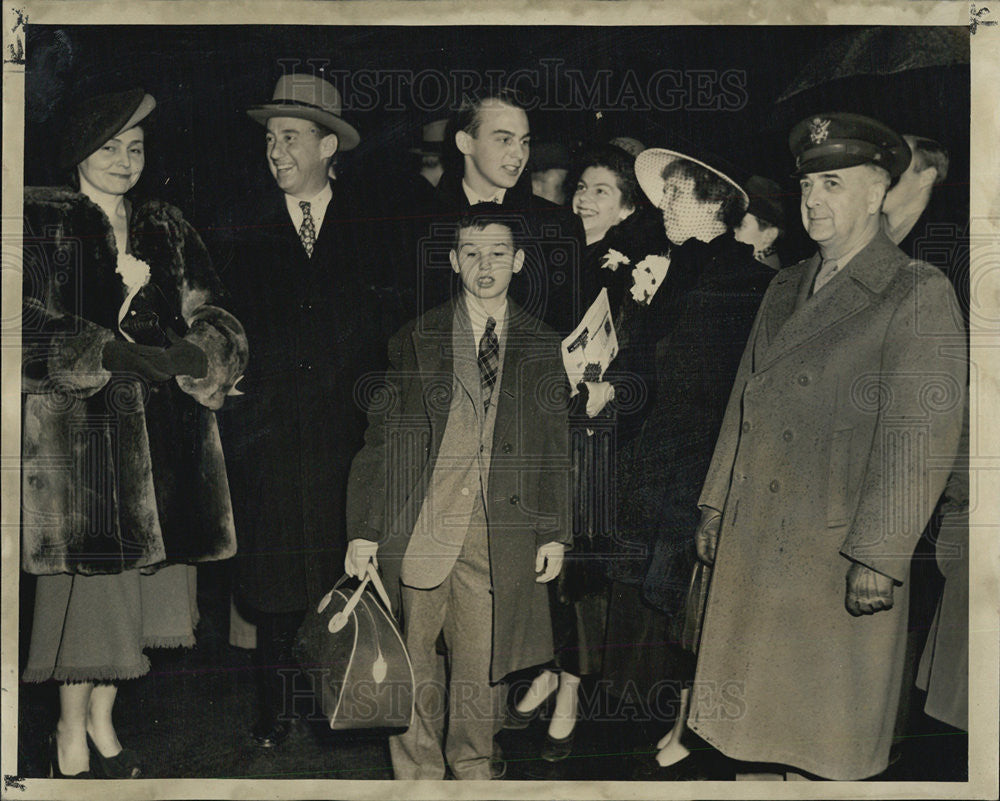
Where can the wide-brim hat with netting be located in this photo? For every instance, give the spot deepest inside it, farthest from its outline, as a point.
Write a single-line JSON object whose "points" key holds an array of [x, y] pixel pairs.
{"points": [[96, 120], [308, 97], [650, 164]]}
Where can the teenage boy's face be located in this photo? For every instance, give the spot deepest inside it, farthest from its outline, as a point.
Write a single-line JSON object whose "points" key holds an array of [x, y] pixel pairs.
{"points": [[486, 260]]}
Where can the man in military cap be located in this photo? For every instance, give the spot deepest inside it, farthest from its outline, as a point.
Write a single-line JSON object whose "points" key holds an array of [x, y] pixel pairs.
{"points": [[842, 427]]}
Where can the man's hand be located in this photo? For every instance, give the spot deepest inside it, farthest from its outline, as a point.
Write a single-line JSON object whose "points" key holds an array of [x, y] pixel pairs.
{"points": [[868, 591], [549, 560], [358, 554], [706, 536]]}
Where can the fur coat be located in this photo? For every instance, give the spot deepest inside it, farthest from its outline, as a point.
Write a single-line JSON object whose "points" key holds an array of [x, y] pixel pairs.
{"points": [[117, 472]]}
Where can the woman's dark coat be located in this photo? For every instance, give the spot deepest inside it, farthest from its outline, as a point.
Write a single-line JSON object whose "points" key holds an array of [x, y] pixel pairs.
{"points": [[680, 364]]}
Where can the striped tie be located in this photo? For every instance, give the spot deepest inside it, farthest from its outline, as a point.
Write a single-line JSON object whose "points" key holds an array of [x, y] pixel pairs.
{"points": [[489, 360], [307, 233]]}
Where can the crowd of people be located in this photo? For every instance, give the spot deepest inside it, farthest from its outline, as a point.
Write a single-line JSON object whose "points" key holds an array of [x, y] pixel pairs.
{"points": [[729, 509]]}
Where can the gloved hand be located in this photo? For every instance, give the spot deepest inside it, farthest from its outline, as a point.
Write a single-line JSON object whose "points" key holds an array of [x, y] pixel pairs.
{"points": [[184, 358], [145, 361], [599, 393], [868, 591], [549, 561], [706, 536], [358, 554]]}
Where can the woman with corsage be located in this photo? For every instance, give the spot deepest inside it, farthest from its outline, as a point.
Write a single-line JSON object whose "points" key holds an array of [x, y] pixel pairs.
{"points": [[616, 221], [126, 353], [698, 303]]}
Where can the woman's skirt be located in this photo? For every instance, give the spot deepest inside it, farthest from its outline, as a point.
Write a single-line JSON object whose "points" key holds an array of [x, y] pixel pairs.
{"points": [[94, 628]]}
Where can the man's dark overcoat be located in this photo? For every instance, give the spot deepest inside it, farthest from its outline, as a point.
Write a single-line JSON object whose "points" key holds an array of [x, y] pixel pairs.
{"points": [[315, 328]]}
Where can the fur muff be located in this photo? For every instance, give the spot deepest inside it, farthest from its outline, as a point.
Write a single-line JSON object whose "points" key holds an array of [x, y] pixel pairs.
{"points": [[119, 473]]}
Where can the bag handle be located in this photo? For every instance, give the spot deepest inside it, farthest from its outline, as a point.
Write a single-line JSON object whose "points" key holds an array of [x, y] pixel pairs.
{"points": [[339, 620]]}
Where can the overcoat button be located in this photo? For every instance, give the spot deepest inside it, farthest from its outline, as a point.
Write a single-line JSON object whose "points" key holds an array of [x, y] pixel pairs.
{"points": [[746, 427], [515, 500], [804, 380], [774, 486], [787, 435], [507, 447]]}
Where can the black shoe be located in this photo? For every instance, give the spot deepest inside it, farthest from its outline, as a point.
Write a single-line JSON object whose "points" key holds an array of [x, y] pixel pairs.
{"points": [[515, 719], [54, 772], [270, 733], [558, 748], [124, 765]]}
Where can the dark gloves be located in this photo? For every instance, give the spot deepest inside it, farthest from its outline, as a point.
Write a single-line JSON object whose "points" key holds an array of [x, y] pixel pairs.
{"points": [[184, 358], [145, 361], [153, 363]]}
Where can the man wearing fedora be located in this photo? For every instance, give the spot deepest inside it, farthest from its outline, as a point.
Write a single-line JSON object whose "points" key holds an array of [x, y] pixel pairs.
{"points": [[841, 430], [298, 274]]}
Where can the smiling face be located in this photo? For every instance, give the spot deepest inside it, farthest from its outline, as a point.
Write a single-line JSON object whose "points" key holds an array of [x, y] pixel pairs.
{"points": [[496, 155], [115, 167], [298, 155], [598, 202], [840, 207], [486, 259]]}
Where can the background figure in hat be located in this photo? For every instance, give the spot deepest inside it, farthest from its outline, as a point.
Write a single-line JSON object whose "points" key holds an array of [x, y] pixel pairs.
{"points": [[765, 221], [691, 311], [549, 164], [822, 479], [126, 353], [300, 271], [907, 200], [429, 151]]}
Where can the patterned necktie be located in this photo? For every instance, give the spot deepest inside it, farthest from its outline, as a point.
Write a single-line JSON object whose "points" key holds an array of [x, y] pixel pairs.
{"points": [[827, 270], [489, 360], [307, 233]]}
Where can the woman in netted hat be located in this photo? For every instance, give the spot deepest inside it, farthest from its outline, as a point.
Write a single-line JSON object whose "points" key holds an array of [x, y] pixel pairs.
{"points": [[697, 303], [126, 352]]}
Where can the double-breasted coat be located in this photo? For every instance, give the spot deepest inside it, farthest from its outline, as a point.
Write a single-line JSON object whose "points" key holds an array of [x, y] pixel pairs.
{"points": [[527, 501], [840, 432], [315, 330]]}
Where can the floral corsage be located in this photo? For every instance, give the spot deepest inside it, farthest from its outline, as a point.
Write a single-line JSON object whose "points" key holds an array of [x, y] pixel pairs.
{"points": [[135, 275], [613, 259], [647, 277]]}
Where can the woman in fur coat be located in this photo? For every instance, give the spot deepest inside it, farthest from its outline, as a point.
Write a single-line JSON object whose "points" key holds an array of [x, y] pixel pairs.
{"points": [[125, 355]]}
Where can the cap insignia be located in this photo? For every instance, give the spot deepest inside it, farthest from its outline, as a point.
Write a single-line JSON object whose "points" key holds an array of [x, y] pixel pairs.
{"points": [[819, 130]]}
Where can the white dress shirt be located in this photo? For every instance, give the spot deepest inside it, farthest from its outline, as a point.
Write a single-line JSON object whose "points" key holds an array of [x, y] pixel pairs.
{"points": [[317, 207], [474, 198]]}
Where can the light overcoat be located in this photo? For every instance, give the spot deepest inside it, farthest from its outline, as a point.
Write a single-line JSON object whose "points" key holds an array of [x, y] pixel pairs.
{"points": [[840, 433]]}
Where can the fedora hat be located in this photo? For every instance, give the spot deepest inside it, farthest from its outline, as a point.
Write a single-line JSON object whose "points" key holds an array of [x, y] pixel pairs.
{"points": [[97, 119], [650, 164], [308, 97], [433, 138]]}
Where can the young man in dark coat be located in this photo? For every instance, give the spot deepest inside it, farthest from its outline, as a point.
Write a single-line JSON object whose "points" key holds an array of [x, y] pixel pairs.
{"points": [[485, 153], [298, 278], [461, 493]]}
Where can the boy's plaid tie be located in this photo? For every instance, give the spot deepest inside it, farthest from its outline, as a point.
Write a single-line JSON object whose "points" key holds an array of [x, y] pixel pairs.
{"points": [[489, 360]]}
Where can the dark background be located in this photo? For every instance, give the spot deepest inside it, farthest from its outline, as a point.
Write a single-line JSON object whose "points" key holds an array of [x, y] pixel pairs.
{"points": [[205, 152]]}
